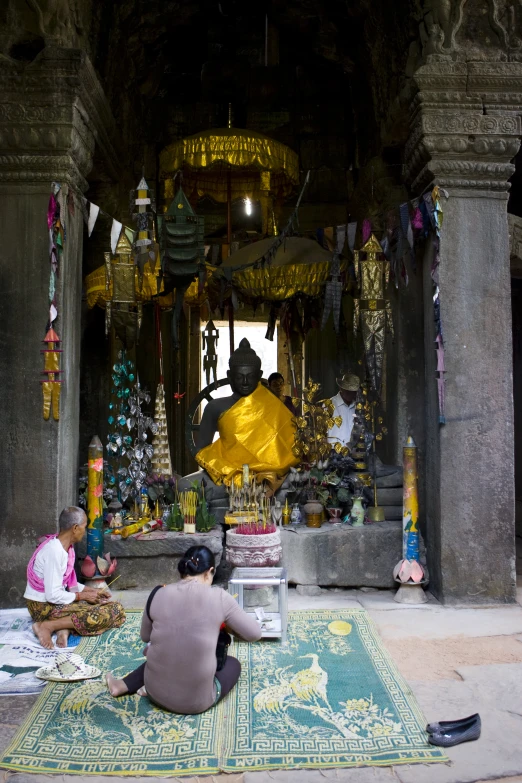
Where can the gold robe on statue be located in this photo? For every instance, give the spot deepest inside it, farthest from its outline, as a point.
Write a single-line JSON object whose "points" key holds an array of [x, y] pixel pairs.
{"points": [[258, 430]]}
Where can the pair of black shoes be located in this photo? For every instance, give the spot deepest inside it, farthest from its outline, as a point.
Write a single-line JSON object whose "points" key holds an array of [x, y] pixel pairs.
{"points": [[453, 732]]}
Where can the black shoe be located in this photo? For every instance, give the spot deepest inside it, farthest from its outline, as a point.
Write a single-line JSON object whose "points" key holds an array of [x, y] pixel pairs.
{"points": [[466, 732], [448, 725]]}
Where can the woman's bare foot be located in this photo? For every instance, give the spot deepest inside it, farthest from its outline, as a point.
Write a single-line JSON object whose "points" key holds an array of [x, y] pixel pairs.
{"points": [[62, 638], [142, 691], [43, 635], [116, 687]]}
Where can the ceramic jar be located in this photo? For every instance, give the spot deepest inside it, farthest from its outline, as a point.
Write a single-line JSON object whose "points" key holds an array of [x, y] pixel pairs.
{"points": [[314, 513], [334, 514], [295, 516], [357, 513]]}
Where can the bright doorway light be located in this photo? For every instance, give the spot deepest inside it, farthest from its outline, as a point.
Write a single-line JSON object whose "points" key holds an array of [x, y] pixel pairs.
{"points": [[254, 331]]}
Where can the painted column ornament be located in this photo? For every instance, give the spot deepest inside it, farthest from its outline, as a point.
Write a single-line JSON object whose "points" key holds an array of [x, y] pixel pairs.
{"points": [[409, 572], [52, 385], [371, 309], [95, 499]]}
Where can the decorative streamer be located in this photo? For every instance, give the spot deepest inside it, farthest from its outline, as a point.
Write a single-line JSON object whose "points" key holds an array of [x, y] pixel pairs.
{"points": [[333, 294], [351, 231], [366, 230], [51, 385], [417, 222], [340, 238], [433, 207]]}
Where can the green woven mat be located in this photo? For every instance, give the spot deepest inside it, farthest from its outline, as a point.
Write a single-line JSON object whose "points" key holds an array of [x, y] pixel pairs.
{"points": [[331, 698]]}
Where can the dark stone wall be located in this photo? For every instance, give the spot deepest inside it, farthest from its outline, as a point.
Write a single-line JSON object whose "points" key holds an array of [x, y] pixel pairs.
{"points": [[39, 468]]}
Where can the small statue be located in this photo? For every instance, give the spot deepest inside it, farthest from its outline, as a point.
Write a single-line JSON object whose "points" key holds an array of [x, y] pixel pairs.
{"points": [[210, 340], [277, 513], [116, 521]]}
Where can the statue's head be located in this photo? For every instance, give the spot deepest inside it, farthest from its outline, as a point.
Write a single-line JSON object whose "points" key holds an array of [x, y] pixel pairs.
{"points": [[245, 369]]}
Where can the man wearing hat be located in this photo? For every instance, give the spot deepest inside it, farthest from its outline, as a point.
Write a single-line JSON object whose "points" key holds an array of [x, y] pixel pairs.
{"points": [[344, 404]]}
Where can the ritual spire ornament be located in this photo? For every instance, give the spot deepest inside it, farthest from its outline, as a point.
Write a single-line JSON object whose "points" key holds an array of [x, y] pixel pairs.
{"points": [[142, 209], [371, 310], [52, 385], [161, 462]]}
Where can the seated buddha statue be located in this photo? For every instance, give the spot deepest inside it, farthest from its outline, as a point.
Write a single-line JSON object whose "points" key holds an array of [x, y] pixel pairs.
{"points": [[254, 428]]}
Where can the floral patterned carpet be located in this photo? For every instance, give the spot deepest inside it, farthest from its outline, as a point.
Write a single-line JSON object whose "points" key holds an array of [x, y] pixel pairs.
{"points": [[332, 697]]}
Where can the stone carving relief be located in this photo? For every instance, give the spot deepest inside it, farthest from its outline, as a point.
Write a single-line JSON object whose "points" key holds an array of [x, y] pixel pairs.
{"points": [[465, 125], [55, 22], [472, 29], [53, 113]]}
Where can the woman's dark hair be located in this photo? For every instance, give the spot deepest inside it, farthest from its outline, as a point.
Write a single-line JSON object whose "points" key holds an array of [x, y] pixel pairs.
{"points": [[196, 560], [275, 376]]}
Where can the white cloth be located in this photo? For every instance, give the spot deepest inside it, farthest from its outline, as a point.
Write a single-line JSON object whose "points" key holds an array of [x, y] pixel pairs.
{"points": [[344, 432], [50, 565]]}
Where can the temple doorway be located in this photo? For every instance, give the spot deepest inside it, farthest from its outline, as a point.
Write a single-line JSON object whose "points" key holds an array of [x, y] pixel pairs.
{"points": [[254, 332]]}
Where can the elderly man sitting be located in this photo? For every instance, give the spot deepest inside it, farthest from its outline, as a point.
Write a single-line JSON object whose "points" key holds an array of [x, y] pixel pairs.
{"points": [[56, 601]]}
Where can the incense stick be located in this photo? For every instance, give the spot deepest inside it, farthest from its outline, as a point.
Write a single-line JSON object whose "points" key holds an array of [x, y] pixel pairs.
{"points": [[115, 578]]}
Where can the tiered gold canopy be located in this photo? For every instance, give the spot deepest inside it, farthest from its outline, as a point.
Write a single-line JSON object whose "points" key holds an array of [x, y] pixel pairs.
{"points": [[257, 164]]}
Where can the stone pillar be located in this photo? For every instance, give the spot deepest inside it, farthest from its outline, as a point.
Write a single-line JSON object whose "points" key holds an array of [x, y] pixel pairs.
{"points": [[465, 129], [52, 114]]}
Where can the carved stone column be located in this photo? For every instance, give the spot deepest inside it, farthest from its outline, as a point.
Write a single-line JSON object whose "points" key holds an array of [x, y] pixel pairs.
{"points": [[52, 114], [465, 129]]}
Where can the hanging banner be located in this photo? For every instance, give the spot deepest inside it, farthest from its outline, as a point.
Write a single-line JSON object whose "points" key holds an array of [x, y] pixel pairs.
{"points": [[351, 230]]}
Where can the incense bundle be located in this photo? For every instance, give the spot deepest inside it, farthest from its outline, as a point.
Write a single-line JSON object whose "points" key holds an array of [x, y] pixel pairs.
{"points": [[188, 504]]}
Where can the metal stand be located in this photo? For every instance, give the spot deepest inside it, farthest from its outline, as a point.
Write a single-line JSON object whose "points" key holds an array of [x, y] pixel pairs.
{"points": [[411, 593], [375, 513], [94, 582], [264, 577]]}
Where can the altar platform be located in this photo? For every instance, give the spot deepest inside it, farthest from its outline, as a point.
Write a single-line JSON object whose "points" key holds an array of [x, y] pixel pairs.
{"points": [[335, 555], [145, 563], [338, 555]]}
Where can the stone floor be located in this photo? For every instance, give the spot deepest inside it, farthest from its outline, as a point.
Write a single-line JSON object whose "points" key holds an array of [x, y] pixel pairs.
{"points": [[456, 660]]}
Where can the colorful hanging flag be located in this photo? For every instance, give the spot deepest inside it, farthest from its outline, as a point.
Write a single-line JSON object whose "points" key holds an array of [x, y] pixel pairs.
{"points": [[115, 234], [94, 211]]}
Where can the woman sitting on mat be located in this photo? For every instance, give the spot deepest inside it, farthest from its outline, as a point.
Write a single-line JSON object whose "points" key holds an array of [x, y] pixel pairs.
{"points": [[182, 623]]}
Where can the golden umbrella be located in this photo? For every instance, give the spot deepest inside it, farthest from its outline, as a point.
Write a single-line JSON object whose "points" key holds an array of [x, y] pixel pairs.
{"points": [[299, 266], [229, 163]]}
